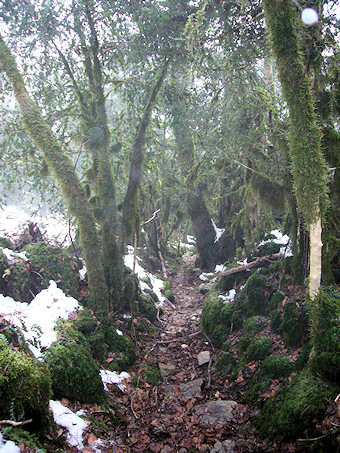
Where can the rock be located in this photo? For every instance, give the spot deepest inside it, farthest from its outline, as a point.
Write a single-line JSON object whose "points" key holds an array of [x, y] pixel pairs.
{"points": [[218, 448], [204, 288], [229, 445], [203, 357], [167, 449], [167, 369], [216, 412], [184, 346], [190, 389]]}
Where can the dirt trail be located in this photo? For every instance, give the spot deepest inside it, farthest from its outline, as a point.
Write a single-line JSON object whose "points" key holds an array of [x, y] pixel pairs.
{"points": [[169, 417]]}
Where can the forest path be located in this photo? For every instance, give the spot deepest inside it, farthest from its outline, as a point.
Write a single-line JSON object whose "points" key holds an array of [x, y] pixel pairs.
{"points": [[183, 413]]}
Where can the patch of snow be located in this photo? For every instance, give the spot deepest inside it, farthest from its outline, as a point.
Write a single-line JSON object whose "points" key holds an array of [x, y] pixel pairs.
{"points": [[83, 270], [207, 277], [191, 240], [8, 446], [156, 283], [125, 316], [111, 377], [39, 317], [119, 332], [218, 231], [11, 255], [75, 425], [242, 262], [228, 297], [309, 16], [281, 239], [220, 268]]}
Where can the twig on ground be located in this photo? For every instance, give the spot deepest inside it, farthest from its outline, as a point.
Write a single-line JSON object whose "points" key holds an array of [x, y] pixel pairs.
{"points": [[13, 423]]}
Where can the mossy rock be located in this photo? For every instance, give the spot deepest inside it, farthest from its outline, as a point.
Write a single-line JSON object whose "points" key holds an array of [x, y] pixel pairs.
{"points": [[276, 300], [259, 348], [254, 325], [5, 243], [167, 285], [275, 321], [217, 317], [121, 346], [152, 294], [151, 375], [292, 410], [25, 387], [19, 283], [256, 302], [88, 325], [20, 436], [228, 282], [276, 366], [294, 325], [75, 374], [53, 263], [268, 249], [244, 342], [225, 363], [325, 313], [147, 307], [169, 295]]}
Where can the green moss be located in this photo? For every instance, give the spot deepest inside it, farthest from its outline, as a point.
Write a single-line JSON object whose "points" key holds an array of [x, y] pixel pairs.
{"points": [[303, 357], [259, 348], [225, 363], [291, 411], [152, 294], [19, 283], [325, 313], [256, 299], [167, 285], [53, 263], [25, 387], [5, 243], [294, 324], [130, 291], [276, 366], [275, 321], [230, 281], [169, 295], [244, 342], [254, 325], [268, 249], [276, 300], [122, 347], [147, 307], [75, 374], [151, 375], [218, 318], [20, 436]]}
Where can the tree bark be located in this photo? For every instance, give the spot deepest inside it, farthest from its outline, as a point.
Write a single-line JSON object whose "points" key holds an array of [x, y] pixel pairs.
{"points": [[309, 168], [131, 217], [63, 169]]}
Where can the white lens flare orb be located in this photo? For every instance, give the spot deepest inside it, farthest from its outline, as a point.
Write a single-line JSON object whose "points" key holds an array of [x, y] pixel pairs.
{"points": [[309, 16]]}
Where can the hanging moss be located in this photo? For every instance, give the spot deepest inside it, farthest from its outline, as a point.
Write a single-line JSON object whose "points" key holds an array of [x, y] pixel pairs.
{"points": [[325, 333], [74, 372], [25, 387]]}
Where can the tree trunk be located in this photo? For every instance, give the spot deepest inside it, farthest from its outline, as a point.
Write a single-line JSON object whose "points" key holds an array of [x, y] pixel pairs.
{"points": [[309, 168], [199, 215], [131, 214], [63, 169]]}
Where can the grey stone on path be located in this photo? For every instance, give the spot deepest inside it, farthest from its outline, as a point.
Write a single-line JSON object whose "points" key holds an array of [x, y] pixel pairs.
{"points": [[227, 446], [190, 389], [216, 412], [166, 369], [203, 357]]}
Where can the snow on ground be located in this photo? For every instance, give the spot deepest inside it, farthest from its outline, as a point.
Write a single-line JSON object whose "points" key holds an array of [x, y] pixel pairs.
{"points": [[12, 256], [218, 231], [74, 424], [228, 297], [156, 283], [13, 220], [39, 317], [111, 377], [8, 446]]}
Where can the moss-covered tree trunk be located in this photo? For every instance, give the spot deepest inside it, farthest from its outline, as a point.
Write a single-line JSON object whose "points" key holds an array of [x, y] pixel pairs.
{"points": [[199, 215], [131, 216], [308, 164], [63, 169]]}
